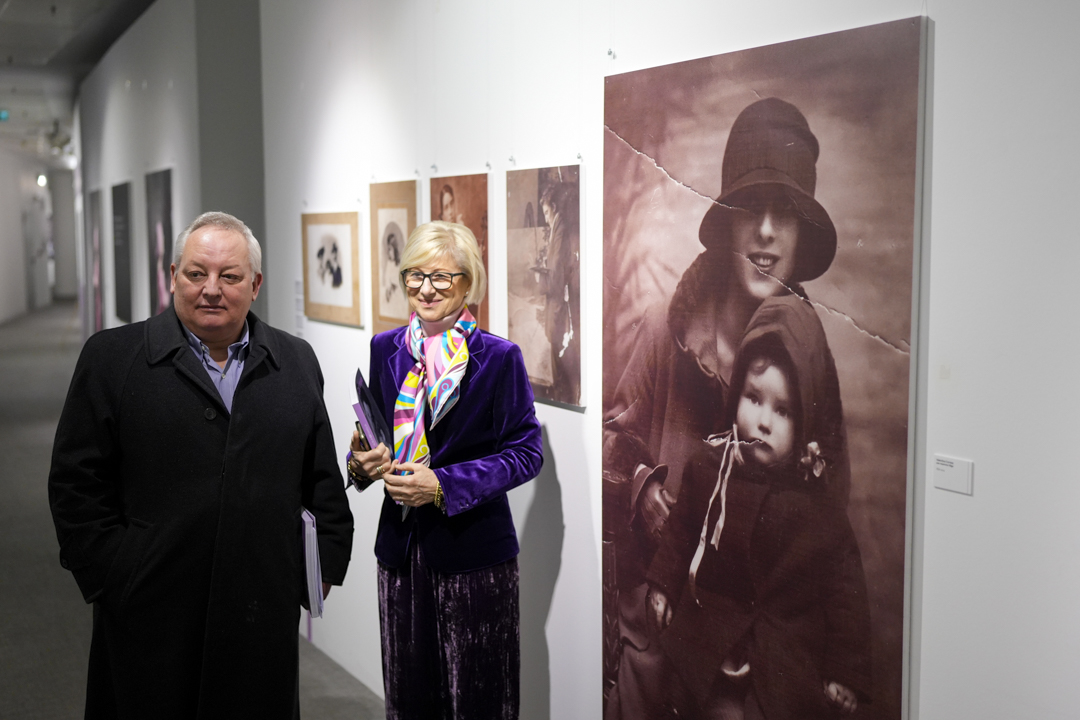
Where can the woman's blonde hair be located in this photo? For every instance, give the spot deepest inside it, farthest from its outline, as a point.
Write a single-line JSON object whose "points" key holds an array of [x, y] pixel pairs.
{"points": [[434, 240]]}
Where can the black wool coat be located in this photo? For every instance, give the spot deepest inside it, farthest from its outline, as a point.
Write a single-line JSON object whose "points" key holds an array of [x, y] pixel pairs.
{"points": [[181, 521]]}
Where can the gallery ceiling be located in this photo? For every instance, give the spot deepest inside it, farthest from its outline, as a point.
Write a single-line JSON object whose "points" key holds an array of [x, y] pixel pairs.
{"points": [[46, 48]]}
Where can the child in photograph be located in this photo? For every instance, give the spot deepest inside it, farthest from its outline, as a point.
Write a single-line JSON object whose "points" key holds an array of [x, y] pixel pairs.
{"points": [[758, 579]]}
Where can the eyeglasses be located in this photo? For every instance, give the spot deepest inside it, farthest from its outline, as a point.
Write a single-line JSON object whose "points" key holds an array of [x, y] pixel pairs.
{"points": [[414, 279]]}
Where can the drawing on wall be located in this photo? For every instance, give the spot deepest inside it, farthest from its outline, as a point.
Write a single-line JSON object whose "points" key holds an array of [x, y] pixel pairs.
{"points": [[759, 235], [331, 266], [463, 199], [393, 218], [121, 224], [543, 270], [93, 264], [159, 237]]}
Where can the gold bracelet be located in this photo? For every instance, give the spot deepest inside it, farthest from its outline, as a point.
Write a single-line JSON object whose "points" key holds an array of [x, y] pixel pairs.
{"points": [[440, 499]]}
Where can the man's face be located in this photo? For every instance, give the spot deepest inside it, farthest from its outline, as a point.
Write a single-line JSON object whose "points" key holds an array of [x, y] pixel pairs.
{"points": [[213, 286], [764, 238], [549, 212]]}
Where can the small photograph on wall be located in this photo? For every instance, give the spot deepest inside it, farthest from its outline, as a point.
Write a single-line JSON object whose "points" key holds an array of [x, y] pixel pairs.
{"points": [[760, 231], [463, 199], [121, 224], [159, 237], [93, 261], [331, 267], [543, 269], [393, 218]]}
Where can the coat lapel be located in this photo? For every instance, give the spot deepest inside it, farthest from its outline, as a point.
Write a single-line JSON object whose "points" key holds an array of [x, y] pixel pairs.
{"points": [[262, 347], [165, 338]]}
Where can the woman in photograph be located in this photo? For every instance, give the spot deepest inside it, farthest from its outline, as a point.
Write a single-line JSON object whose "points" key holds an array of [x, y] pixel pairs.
{"points": [[763, 236], [465, 432]]}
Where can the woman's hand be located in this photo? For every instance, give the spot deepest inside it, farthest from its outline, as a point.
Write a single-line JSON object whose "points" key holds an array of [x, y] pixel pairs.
{"points": [[415, 489], [374, 463]]}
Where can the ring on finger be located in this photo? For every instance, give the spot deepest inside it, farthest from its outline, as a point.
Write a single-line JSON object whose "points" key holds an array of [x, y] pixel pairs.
{"points": [[379, 469]]}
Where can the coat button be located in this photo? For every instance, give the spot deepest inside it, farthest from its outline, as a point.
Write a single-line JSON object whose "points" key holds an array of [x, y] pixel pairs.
{"points": [[64, 563], [210, 413]]}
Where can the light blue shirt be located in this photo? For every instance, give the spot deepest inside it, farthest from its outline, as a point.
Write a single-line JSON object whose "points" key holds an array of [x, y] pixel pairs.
{"points": [[225, 380]]}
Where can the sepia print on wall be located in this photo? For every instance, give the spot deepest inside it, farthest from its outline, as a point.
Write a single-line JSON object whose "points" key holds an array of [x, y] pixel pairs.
{"points": [[760, 225]]}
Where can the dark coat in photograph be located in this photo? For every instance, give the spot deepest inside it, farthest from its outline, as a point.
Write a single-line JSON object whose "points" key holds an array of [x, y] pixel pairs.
{"points": [[488, 443], [181, 521], [785, 588]]}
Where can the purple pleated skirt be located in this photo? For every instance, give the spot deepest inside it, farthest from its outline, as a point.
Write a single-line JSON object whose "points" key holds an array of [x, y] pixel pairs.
{"points": [[450, 641]]}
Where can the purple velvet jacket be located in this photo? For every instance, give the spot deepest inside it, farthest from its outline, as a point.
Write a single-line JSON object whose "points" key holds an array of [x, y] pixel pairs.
{"points": [[488, 443]]}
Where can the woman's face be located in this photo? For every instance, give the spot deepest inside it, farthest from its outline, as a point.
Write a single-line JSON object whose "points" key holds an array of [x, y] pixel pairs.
{"points": [[436, 308], [764, 238]]}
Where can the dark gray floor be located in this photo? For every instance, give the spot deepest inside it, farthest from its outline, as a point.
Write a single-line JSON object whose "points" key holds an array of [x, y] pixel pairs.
{"points": [[44, 623]]}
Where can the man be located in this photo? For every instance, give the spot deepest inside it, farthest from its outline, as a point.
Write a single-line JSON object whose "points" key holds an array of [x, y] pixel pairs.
{"points": [[188, 446]]}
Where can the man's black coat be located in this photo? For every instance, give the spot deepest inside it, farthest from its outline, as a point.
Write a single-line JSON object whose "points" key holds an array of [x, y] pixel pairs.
{"points": [[181, 521]]}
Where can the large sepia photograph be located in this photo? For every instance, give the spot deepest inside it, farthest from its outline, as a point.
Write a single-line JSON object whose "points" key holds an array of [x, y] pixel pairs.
{"points": [[543, 265], [393, 218], [331, 264], [759, 235], [159, 238], [463, 199]]}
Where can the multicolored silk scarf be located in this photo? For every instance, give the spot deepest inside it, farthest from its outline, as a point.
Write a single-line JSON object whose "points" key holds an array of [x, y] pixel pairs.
{"points": [[441, 362]]}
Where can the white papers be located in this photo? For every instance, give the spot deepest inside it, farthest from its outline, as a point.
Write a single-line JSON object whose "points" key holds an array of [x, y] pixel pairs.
{"points": [[312, 567]]}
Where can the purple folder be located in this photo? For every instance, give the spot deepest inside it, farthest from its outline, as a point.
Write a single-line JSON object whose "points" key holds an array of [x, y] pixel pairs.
{"points": [[371, 424]]}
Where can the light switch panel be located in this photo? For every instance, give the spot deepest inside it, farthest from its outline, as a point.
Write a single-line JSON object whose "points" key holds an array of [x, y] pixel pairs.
{"points": [[954, 474]]}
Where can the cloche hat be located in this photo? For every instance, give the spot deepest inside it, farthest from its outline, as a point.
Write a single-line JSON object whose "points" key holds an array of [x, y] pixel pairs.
{"points": [[771, 148]]}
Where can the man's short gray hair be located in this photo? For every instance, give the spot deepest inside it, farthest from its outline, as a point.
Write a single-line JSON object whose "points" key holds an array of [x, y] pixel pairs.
{"points": [[228, 222]]}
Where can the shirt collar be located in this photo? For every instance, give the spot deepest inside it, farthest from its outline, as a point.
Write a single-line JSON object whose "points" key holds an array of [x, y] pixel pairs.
{"points": [[238, 350]]}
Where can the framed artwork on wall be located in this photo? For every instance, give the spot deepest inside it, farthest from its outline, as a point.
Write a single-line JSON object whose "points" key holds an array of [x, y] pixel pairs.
{"points": [[761, 231], [93, 264], [159, 237], [463, 199], [121, 223], [543, 270], [330, 246], [393, 218]]}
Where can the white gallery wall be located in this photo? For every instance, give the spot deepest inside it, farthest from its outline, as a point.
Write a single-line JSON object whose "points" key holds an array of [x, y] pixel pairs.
{"points": [[138, 114], [355, 92], [13, 260], [26, 234]]}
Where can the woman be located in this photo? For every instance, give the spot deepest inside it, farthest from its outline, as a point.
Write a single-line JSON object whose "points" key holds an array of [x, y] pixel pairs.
{"points": [[465, 432]]}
